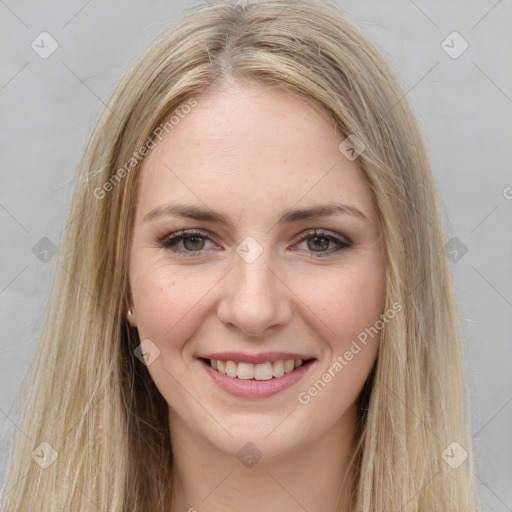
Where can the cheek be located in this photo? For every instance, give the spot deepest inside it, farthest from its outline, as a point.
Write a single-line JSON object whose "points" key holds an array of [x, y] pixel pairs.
{"points": [[165, 297], [350, 301], [350, 306]]}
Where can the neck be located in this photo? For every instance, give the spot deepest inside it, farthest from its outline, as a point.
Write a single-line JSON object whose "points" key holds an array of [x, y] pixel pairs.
{"points": [[310, 478]]}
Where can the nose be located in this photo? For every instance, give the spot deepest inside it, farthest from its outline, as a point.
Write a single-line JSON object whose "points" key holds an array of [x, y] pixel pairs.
{"points": [[254, 297]]}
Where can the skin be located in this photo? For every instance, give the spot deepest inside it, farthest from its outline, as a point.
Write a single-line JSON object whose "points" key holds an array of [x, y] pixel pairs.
{"points": [[251, 152]]}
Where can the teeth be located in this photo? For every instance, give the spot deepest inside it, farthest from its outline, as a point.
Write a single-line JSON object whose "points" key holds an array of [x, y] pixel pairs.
{"points": [[278, 368], [263, 371], [289, 365], [245, 371], [231, 368], [260, 371]]}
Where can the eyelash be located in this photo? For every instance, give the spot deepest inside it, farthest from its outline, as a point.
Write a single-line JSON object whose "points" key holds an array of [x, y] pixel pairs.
{"points": [[168, 241]]}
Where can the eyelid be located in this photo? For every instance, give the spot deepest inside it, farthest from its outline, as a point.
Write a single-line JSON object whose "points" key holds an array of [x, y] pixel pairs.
{"points": [[324, 232], [186, 233]]}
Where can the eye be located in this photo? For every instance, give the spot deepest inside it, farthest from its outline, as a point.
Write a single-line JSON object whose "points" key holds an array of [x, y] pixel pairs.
{"points": [[321, 240], [193, 242]]}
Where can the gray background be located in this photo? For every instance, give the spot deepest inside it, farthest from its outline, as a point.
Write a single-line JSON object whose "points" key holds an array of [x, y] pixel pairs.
{"points": [[464, 106]]}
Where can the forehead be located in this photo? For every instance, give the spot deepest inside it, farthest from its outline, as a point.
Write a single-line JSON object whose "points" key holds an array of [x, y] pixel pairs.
{"points": [[246, 147]]}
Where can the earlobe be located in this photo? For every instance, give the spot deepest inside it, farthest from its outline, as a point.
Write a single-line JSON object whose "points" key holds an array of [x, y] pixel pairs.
{"points": [[128, 304], [129, 317]]}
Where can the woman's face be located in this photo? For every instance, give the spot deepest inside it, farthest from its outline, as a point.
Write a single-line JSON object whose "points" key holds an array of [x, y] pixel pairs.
{"points": [[247, 167]]}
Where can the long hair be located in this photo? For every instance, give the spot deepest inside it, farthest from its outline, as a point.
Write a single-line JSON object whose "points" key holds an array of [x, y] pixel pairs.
{"points": [[90, 398]]}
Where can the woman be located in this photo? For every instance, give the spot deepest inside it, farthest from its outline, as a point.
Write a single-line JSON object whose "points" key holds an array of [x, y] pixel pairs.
{"points": [[252, 308]]}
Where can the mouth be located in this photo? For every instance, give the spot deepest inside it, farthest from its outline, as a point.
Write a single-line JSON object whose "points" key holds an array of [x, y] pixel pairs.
{"points": [[255, 380], [267, 370]]}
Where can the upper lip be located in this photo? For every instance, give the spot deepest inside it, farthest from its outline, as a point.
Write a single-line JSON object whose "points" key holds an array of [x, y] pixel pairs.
{"points": [[262, 357]]}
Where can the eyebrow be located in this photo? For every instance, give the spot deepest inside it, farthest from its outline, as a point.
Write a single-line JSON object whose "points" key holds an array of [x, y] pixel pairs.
{"points": [[205, 214]]}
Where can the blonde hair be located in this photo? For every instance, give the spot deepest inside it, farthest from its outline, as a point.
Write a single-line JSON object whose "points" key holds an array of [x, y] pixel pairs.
{"points": [[93, 401]]}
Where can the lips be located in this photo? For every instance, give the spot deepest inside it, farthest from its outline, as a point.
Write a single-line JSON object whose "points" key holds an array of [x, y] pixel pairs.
{"points": [[253, 388]]}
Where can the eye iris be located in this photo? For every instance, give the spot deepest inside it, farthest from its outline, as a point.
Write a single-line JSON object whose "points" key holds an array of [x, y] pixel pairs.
{"points": [[195, 239], [315, 240]]}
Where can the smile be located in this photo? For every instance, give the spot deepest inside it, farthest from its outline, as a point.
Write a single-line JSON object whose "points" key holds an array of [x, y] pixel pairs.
{"points": [[255, 380], [261, 371]]}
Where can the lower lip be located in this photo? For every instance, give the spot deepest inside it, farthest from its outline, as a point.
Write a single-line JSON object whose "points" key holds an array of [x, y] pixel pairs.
{"points": [[250, 388]]}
